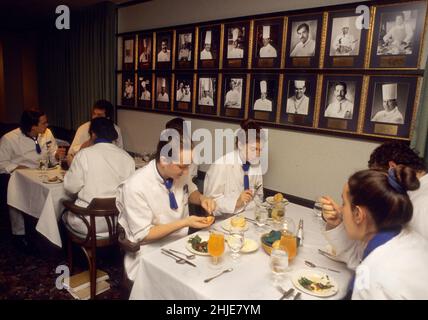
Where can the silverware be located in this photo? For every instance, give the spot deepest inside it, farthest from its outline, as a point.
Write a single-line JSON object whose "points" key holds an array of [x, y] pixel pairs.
{"points": [[218, 275], [297, 296], [179, 261], [285, 294], [257, 188], [174, 255], [312, 265], [188, 256], [251, 220]]}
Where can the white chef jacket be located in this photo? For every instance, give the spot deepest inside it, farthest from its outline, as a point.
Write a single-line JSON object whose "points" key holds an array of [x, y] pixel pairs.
{"points": [[82, 135], [399, 34], [298, 106], [224, 181], [96, 172], [145, 95], [235, 53], [263, 105], [395, 270], [346, 40], [206, 55], [163, 98], [419, 200], [233, 99], [164, 56], [268, 51], [143, 202], [306, 49], [179, 95], [393, 116], [17, 149], [206, 101], [342, 110]]}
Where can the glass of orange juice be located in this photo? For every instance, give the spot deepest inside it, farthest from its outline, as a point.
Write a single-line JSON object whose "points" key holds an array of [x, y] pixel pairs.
{"points": [[289, 242], [216, 247]]}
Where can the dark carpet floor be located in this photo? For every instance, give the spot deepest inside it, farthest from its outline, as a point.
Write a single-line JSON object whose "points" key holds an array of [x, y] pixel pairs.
{"points": [[31, 275]]}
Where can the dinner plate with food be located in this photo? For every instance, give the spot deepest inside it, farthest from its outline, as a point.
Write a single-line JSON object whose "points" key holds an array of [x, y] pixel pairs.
{"points": [[198, 244], [235, 222], [277, 198], [52, 180], [315, 283]]}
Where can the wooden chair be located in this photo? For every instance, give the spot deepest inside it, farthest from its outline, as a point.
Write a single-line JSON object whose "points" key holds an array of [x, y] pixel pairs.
{"points": [[98, 207]]}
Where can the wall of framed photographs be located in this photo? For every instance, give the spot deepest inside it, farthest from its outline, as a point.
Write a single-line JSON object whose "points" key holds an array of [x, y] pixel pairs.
{"points": [[312, 70]]}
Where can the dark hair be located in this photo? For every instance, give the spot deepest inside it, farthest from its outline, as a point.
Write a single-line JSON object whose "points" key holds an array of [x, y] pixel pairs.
{"points": [[169, 135], [103, 128], [396, 151], [303, 25], [30, 118], [246, 125], [388, 207], [104, 105], [343, 84]]}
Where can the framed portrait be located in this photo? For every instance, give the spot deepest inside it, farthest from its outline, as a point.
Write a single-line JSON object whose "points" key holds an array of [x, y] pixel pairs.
{"points": [[184, 48], [391, 105], [264, 97], [163, 92], [183, 92], [128, 89], [398, 35], [346, 41], [340, 102], [298, 99], [236, 37], [128, 52], [164, 50], [209, 47], [144, 90], [233, 95], [145, 49], [303, 41], [267, 43], [206, 99]]}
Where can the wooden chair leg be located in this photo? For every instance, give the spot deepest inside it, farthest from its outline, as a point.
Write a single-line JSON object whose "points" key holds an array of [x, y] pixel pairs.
{"points": [[91, 257]]}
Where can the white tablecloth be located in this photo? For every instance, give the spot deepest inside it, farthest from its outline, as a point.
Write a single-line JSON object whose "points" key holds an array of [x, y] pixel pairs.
{"points": [[159, 277], [28, 193]]}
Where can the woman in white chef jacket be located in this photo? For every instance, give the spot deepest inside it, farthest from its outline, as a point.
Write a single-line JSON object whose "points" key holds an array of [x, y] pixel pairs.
{"points": [[153, 203], [370, 233], [234, 178]]}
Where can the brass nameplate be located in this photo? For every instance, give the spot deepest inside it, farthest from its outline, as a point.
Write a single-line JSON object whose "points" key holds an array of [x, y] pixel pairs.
{"points": [[163, 105], [145, 104], [184, 64], [399, 61], [206, 109], [236, 63], [296, 118], [144, 65], [164, 65], [265, 62], [207, 63], [386, 129], [232, 112], [343, 62], [301, 62], [261, 115], [183, 106], [337, 124]]}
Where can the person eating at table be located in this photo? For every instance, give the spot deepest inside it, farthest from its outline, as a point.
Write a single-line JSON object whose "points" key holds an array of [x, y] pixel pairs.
{"points": [[25, 147], [96, 172], [235, 179], [369, 232], [153, 203]]}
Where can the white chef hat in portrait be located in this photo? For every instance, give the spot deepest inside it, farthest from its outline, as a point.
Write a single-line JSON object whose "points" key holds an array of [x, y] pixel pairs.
{"points": [[143, 83], [208, 37], [389, 91], [263, 86], [206, 84], [235, 34], [266, 32], [182, 38], [145, 42], [163, 82], [299, 83]]}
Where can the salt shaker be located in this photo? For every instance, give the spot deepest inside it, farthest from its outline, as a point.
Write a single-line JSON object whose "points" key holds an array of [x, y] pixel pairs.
{"points": [[300, 233]]}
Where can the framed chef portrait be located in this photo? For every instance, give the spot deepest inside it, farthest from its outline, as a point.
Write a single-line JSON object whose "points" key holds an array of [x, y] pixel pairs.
{"points": [[183, 92], [163, 92], [391, 105], [340, 102], [397, 35], [128, 52], [185, 40], [164, 50], [206, 98], [236, 37], [145, 49], [264, 97], [144, 90], [303, 41], [346, 41], [128, 89], [209, 47], [267, 43], [233, 96], [298, 99]]}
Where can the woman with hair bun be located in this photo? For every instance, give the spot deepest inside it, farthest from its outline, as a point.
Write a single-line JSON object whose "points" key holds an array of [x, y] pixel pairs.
{"points": [[369, 232], [236, 178]]}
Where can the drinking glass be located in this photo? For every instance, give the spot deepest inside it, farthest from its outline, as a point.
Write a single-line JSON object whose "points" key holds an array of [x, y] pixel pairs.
{"points": [[235, 241], [261, 216], [215, 247], [278, 264], [278, 213], [289, 242], [43, 167]]}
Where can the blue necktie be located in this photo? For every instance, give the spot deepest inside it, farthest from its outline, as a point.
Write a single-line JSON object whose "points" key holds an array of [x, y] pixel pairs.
{"points": [[36, 142], [246, 167], [172, 202]]}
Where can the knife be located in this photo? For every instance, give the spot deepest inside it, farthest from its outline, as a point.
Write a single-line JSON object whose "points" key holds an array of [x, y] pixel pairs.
{"points": [[186, 261], [286, 294]]}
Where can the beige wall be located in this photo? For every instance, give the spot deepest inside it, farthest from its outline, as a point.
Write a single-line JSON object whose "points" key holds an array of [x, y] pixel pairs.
{"points": [[305, 165]]}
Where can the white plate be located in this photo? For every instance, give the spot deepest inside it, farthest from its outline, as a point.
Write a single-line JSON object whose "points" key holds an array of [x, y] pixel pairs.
{"points": [[190, 248], [315, 276], [250, 245], [227, 226], [271, 201], [52, 182]]}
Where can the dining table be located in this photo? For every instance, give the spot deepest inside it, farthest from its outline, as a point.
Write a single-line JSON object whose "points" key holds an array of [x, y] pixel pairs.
{"points": [[160, 277]]}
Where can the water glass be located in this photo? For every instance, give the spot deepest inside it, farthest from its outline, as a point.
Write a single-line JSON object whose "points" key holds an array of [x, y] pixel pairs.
{"points": [[278, 264], [261, 216], [235, 241]]}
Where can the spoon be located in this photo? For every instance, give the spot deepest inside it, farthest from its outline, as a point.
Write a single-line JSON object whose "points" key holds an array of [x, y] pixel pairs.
{"points": [[312, 265], [218, 275], [188, 256], [179, 261]]}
